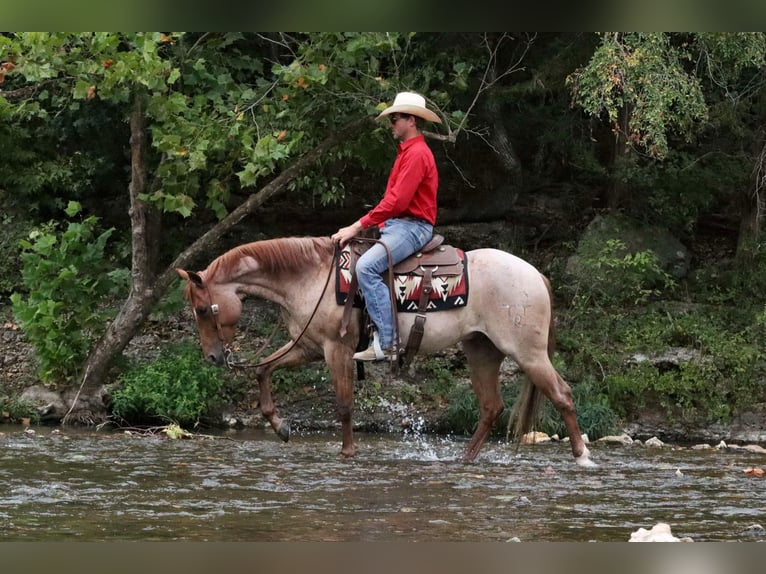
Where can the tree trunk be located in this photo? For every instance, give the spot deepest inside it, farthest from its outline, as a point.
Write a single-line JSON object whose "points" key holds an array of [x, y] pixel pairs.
{"points": [[147, 288], [621, 159], [752, 205], [501, 141]]}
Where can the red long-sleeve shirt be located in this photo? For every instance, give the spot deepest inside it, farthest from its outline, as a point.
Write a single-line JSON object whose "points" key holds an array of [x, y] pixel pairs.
{"points": [[411, 188]]}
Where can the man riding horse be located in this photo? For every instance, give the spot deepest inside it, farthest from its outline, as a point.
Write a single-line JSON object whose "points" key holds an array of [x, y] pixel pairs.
{"points": [[405, 215]]}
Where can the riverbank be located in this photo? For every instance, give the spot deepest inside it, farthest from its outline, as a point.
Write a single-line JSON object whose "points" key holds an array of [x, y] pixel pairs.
{"points": [[411, 401]]}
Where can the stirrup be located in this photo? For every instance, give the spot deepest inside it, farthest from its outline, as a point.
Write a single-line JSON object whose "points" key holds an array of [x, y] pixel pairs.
{"points": [[375, 352]]}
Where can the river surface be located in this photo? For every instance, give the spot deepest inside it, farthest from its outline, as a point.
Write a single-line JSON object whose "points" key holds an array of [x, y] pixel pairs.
{"points": [[89, 485]]}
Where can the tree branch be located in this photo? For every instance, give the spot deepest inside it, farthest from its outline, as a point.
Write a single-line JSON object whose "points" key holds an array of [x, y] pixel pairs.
{"points": [[255, 201]]}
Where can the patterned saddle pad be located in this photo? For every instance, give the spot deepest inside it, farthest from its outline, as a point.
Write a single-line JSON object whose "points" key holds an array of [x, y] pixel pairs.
{"points": [[449, 291]]}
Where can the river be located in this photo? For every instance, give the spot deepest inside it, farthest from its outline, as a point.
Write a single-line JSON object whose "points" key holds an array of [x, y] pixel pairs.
{"points": [[89, 485]]}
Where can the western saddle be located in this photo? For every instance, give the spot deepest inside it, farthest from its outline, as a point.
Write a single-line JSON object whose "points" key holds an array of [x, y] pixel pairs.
{"points": [[434, 260]]}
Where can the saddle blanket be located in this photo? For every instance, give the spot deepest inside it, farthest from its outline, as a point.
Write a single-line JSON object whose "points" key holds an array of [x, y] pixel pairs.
{"points": [[449, 292]]}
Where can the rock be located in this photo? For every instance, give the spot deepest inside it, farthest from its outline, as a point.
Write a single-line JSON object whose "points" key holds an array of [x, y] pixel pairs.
{"points": [[654, 442], [660, 532], [671, 254], [616, 439], [47, 402], [670, 359], [534, 437], [703, 446]]}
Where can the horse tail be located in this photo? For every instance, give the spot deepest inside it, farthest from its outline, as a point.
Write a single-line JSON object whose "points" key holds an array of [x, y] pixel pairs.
{"points": [[527, 407]]}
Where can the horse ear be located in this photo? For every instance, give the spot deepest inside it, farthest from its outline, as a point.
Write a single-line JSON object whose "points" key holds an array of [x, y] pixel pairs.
{"points": [[190, 276], [195, 278]]}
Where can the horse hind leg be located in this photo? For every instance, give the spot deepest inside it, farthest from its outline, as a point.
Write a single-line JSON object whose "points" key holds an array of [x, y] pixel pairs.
{"points": [[545, 377], [484, 360]]}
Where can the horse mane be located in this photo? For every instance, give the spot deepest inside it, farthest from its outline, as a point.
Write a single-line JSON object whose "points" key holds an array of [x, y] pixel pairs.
{"points": [[277, 256]]}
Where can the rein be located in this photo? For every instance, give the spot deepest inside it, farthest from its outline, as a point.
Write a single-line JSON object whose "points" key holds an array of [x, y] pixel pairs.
{"points": [[228, 353]]}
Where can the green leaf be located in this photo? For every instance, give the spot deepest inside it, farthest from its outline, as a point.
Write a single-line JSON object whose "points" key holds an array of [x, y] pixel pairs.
{"points": [[73, 208]]}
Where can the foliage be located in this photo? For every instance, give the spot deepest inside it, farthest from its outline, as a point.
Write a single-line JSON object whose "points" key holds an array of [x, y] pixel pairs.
{"points": [[64, 273], [595, 415], [652, 77], [436, 375], [15, 409], [643, 72], [178, 386], [678, 192], [305, 380], [689, 360], [175, 432], [613, 276], [14, 230], [731, 282]]}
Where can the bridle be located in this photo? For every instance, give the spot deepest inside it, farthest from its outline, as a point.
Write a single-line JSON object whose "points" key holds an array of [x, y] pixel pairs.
{"points": [[228, 354]]}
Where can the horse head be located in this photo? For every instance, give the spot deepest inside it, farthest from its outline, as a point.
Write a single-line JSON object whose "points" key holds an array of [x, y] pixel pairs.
{"points": [[217, 309]]}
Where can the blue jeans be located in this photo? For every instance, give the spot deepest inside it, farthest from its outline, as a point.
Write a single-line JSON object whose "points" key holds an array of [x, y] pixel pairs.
{"points": [[403, 237]]}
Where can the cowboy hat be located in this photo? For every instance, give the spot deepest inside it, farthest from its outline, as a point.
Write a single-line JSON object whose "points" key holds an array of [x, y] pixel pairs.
{"points": [[413, 104]]}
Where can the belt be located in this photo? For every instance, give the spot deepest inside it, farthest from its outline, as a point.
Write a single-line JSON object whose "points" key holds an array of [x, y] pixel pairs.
{"points": [[415, 219]]}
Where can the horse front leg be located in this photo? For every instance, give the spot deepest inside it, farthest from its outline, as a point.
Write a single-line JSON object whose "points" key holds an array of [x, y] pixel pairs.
{"points": [[341, 367], [293, 358], [266, 404]]}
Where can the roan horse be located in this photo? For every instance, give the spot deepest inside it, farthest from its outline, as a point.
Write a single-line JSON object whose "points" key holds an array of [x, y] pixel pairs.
{"points": [[508, 313]]}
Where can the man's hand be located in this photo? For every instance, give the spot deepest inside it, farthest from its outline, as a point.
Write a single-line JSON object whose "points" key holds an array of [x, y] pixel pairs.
{"points": [[344, 234]]}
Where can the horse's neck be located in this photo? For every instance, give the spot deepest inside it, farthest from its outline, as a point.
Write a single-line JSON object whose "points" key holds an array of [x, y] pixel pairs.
{"points": [[289, 290]]}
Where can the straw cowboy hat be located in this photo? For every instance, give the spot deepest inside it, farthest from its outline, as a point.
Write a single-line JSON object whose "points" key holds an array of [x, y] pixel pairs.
{"points": [[413, 104]]}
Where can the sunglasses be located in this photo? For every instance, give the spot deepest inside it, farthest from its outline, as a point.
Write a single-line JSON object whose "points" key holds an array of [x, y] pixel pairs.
{"points": [[395, 118]]}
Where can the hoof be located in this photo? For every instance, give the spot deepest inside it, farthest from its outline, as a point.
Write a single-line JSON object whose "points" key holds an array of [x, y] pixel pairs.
{"points": [[284, 431], [585, 463], [584, 460]]}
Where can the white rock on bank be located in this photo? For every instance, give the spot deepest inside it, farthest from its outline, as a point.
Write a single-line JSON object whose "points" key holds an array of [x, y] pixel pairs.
{"points": [[616, 439], [660, 532], [654, 442]]}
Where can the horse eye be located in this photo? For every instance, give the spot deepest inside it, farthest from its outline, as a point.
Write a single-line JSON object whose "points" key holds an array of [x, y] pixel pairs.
{"points": [[201, 311]]}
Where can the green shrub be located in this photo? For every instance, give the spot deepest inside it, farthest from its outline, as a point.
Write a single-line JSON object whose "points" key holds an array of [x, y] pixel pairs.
{"points": [[14, 230], [178, 386], [732, 282], [722, 378], [15, 410], [66, 275], [436, 375], [301, 379], [616, 277], [594, 413]]}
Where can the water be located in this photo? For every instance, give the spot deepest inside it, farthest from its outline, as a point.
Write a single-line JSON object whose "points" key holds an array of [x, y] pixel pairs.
{"points": [[61, 485]]}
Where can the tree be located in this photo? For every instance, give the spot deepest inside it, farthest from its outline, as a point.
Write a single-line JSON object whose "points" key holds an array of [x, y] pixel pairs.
{"points": [[217, 123], [649, 87]]}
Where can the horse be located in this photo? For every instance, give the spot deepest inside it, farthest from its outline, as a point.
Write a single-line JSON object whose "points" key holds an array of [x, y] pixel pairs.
{"points": [[508, 313]]}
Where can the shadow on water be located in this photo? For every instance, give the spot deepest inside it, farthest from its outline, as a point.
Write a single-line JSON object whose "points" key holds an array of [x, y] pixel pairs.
{"points": [[249, 486]]}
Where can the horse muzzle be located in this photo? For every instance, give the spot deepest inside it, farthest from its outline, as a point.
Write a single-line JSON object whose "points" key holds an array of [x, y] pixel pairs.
{"points": [[220, 355]]}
